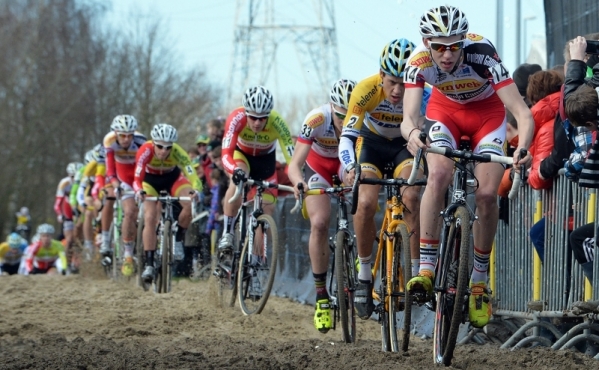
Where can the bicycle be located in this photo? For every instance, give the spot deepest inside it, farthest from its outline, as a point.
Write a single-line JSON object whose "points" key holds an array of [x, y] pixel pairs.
{"points": [[112, 264], [344, 279], [452, 274], [166, 230], [393, 261], [248, 271]]}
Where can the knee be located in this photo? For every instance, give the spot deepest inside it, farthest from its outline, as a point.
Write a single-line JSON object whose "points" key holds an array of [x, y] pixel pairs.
{"points": [[319, 225], [485, 199]]}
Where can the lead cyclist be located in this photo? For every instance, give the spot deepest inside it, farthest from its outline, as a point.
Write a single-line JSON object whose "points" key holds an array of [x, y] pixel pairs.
{"points": [[472, 89]]}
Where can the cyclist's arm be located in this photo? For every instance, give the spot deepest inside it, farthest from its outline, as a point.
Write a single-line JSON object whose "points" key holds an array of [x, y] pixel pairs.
{"points": [[185, 164], [351, 129], [110, 165], [235, 123], [412, 117], [31, 256], [57, 246], [142, 158], [514, 103], [302, 148], [4, 247], [59, 198]]}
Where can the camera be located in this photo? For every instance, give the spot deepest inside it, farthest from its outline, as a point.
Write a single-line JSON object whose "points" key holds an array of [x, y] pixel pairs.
{"points": [[592, 47]]}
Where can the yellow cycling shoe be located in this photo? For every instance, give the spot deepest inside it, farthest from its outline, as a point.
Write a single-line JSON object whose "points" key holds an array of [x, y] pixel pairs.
{"points": [[423, 282], [128, 267], [479, 304], [322, 316]]}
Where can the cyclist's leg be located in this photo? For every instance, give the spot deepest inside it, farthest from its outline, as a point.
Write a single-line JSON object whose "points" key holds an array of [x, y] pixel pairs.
{"points": [[319, 212], [230, 209], [182, 188], [151, 214], [106, 219], [433, 199], [129, 214], [411, 199]]}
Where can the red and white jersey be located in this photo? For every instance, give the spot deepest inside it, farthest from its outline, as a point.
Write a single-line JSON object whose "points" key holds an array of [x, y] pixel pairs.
{"points": [[479, 75], [120, 162], [318, 130]]}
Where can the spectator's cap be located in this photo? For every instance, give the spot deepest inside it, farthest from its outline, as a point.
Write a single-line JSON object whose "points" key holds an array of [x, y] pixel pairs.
{"points": [[202, 139], [195, 162], [213, 144], [521, 75]]}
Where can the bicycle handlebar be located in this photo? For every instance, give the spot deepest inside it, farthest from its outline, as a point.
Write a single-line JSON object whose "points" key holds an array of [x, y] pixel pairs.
{"points": [[417, 159], [321, 191], [175, 199], [264, 184]]}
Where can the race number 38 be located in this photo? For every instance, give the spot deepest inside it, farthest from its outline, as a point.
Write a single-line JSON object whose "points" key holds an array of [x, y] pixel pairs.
{"points": [[499, 72]]}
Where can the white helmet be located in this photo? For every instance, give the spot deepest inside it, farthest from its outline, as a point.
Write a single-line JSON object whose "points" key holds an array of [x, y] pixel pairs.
{"points": [[24, 211], [78, 166], [443, 21], [164, 132], [341, 91], [258, 99], [71, 169], [89, 156], [99, 153], [124, 123], [45, 229]]}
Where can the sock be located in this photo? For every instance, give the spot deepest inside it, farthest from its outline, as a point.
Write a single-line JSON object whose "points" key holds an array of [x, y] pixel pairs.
{"points": [[149, 258], [365, 273], [428, 255], [128, 248], [88, 244], [105, 237], [415, 266], [320, 281], [481, 266], [226, 221]]}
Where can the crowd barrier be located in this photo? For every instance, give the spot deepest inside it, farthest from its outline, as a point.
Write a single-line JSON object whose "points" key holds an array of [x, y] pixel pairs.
{"points": [[529, 296]]}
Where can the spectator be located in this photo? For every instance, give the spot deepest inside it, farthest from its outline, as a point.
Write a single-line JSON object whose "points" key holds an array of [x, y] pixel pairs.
{"points": [[192, 152], [215, 131], [23, 227], [521, 76]]}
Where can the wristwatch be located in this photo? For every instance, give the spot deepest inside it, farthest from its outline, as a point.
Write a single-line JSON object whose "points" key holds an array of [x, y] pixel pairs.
{"points": [[350, 167]]}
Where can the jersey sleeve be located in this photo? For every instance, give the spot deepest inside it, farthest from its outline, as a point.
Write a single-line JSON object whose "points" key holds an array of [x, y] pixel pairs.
{"points": [[234, 124], [313, 120], [142, 158], [184, 163], [31, 255], [3, 249], [359, 104], [284, 136]]}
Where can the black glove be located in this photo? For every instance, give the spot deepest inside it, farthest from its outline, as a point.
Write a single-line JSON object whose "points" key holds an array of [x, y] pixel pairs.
{"points": [[238, 176]]}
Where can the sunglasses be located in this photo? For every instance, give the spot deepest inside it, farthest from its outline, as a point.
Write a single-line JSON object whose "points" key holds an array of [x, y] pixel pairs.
{"points": [[257, 118], [165, 147], [124, 136], [441, 47], [339, 115]]}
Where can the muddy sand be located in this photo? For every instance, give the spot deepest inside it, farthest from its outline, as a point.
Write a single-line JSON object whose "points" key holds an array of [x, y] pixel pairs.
{"points": [[89, 322]]}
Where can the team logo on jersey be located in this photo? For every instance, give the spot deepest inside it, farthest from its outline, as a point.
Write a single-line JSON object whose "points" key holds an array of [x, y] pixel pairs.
{"points": [[463, 72], [459, 85], [474, 37], [316, 120], [422, 60], [357, 110], [365, 98]]}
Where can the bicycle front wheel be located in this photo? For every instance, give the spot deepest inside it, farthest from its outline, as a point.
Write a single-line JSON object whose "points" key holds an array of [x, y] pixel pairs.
{"points": [[401, 273], [167, 247], [345, 275], [258, 264], [452, 281]]}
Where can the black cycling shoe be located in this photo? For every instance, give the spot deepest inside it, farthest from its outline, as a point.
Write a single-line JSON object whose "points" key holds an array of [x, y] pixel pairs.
{"points": [[363, 300]]}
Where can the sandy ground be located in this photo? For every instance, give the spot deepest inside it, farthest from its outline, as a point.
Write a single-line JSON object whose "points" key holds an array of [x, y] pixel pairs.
{"points": [[89, 322]]}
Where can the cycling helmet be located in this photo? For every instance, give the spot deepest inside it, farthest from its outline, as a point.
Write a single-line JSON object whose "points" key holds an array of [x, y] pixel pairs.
{"points": [[202, 139], [14, 240], [89, 156], [99, 153], [71, 169], [341, 91], [395, 55], [45, 229], [258, 99], [443, 21], [124, 123], [164, 132], [78, 166], [24, 211]]}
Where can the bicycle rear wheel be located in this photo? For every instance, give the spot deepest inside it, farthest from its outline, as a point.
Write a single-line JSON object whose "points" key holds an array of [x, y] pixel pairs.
{"points": [[401, 273], [452, 284], [257, 270], [346, 277]]}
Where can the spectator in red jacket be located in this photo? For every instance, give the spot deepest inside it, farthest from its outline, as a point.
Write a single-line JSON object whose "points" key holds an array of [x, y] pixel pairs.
{"points": [[543, 92]]}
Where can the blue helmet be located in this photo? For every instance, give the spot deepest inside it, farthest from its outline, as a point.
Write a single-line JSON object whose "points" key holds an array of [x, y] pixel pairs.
{"points": [[395, 55], [14, 240]]}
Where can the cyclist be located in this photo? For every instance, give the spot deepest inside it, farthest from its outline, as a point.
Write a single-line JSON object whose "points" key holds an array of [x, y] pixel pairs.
{"points": [[23, 220], [161, 164], [62, 207], [121, 146], [316, 147], [375, 115], [93, 173], [77, 201], [249, 148], [46, 253], [11, 252], [472, 86]]}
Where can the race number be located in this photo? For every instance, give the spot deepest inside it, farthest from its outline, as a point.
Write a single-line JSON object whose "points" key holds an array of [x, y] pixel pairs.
{"points": [[499, 72], [410, 74]]}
